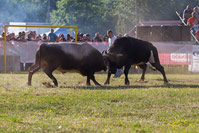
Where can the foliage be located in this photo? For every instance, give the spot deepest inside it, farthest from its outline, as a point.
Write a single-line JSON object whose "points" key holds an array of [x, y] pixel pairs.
{"points": [[87, 15], [92, 16]]}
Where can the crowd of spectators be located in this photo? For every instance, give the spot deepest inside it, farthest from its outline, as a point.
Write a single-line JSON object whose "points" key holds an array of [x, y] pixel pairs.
{"points": [[52, 37], [191, 18]]}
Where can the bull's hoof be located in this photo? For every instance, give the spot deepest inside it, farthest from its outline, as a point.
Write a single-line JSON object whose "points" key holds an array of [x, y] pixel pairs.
{"points": [[142, 81], [29, 84], [127, 83], [98, 84], [49, 85], [166, 82], [106, 83]]}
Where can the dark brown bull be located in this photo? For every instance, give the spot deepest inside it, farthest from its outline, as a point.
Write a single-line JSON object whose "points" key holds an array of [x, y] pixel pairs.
{"points": [[65, 57], [127, 51]]}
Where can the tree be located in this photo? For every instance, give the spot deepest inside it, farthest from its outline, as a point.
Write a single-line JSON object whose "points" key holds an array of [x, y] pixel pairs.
{"points": [[92, 15], [24, 10], [125, 12], [89, 16]]}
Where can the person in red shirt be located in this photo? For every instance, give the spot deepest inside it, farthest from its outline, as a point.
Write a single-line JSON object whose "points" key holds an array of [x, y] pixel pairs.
{"points": [[197, 35], [192, 20]]}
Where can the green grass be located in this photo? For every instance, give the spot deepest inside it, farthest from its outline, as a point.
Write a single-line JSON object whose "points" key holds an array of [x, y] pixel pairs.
{"points": [[73, 107]]}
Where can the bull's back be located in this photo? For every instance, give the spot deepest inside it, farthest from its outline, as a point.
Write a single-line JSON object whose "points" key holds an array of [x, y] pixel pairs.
{"points": [[134, 49], [71, 57]]}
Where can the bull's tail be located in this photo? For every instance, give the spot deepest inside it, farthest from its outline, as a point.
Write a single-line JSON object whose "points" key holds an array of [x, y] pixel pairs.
{"points": [[39, 55], [154, 56], [36, 66], [151, 58], [37, 60]]}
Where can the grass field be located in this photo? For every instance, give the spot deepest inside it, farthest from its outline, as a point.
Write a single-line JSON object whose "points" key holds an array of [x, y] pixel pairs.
{"points": [[74, 107]]}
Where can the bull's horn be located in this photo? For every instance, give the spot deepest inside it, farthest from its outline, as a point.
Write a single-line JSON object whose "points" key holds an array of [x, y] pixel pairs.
{"points": [[119, 54], [104, 52]]}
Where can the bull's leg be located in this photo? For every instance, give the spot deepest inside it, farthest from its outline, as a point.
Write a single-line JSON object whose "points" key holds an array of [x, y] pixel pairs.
{"points": [[88, 81], [108, 78], [143, 67], [161, 69], [95, 82], [50, 75], [34, 68], [126, 71]]}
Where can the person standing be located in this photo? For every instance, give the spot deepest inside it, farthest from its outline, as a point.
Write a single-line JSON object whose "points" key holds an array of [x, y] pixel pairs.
{"points": [[187, 13], [192, 22], [111, 39], [52, 37]]}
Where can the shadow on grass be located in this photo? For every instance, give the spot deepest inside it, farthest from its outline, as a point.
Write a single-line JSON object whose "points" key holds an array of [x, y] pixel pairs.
{"points": [[105, 87]]}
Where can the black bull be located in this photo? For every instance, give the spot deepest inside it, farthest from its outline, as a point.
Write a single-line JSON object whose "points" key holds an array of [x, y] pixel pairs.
{"points": [[65, 57], [127, 51]]}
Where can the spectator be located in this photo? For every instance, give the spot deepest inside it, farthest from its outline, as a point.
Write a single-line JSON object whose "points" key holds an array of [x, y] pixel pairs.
{"points": [[44, 38], [88, 37], [197, 35], [52, 37], [34, 35], [97, 37], [105, 38], [195, 26], [8, 37], [193, 22], [195, 9], [12, 37], [30, 37], [72, 39], [2, 36], [84, 37], [111, 39], [21, 37], [38, 38], [80, 37], [62, 38], [68, 39], [187, 13]]}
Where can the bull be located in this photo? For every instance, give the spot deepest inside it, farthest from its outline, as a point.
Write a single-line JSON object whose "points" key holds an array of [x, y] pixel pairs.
{"points": [[127, 51], [65, 57]]}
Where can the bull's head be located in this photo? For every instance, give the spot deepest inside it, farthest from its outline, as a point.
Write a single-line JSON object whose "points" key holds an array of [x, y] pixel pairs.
{"points": [[112, 61]]}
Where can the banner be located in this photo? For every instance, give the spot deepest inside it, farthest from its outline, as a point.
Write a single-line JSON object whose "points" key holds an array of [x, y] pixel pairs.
{"points": [[194, 66]]}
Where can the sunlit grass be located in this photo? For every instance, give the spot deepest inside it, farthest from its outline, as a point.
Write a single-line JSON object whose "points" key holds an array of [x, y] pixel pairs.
{"points": [[74, 107]]}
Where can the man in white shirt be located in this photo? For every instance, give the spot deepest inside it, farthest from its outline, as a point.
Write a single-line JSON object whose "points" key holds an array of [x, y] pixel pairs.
{"points": [[111, 39]]}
